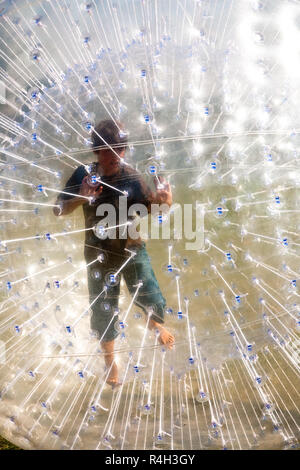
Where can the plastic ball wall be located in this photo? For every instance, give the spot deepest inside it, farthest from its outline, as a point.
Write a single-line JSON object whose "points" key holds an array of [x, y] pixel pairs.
{"points": [[208, 91]]}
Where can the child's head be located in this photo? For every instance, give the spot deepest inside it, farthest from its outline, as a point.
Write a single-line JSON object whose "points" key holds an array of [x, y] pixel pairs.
{"points": [[109, 134], [109, 143]]}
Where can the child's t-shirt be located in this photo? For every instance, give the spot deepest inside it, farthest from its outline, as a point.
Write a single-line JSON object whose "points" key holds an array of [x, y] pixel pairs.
{"points": [[138, 192]]}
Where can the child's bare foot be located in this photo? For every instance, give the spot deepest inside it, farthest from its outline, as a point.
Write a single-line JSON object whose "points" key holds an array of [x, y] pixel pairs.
{"points": [[114, 383], [165, 337], [112, 378], [113, 375]]}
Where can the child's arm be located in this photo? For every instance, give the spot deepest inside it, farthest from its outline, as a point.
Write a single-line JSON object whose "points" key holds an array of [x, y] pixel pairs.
{"points": [[68, 204]]}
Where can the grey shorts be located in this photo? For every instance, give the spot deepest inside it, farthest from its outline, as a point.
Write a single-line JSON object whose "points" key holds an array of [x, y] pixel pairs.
{"points": [[104, 308]]}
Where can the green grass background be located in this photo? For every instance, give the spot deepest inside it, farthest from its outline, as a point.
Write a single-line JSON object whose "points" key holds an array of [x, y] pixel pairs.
{"points": [[5, 445]]}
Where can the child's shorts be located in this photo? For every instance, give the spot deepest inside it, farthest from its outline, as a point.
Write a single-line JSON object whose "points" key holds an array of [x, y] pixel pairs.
{"points": [[104, 318]]}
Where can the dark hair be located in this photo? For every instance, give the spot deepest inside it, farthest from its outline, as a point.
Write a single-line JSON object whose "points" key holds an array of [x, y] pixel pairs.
{"points": [[109, 132]]}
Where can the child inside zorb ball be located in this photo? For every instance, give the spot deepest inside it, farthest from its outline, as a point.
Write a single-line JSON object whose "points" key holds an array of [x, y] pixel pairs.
{"points": [[111, 253]]}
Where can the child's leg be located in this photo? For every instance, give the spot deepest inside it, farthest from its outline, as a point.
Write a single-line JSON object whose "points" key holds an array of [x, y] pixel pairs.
{"points": [[103, 318], [149, 295]]}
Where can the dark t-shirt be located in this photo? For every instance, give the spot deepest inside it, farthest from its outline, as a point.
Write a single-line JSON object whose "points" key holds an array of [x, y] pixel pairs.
{"points": [[127, 179]]}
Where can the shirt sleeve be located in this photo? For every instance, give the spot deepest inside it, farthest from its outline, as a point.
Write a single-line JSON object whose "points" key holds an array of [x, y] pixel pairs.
{"points": [[73, 184]]}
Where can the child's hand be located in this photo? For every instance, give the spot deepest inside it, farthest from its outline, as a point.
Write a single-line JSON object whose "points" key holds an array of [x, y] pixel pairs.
{"points": [[88, 190], [163, 191]]}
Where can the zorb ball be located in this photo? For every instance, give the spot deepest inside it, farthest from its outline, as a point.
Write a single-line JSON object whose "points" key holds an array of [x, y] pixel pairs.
{"points": [[207, 93]]}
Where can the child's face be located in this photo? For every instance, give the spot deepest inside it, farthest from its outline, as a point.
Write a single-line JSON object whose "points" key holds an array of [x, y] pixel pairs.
{"points": [[109, 162]]}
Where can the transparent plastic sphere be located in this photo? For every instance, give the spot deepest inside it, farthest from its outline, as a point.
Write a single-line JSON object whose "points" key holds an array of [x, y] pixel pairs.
{"points": [[202, 397], [203, 96]]}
